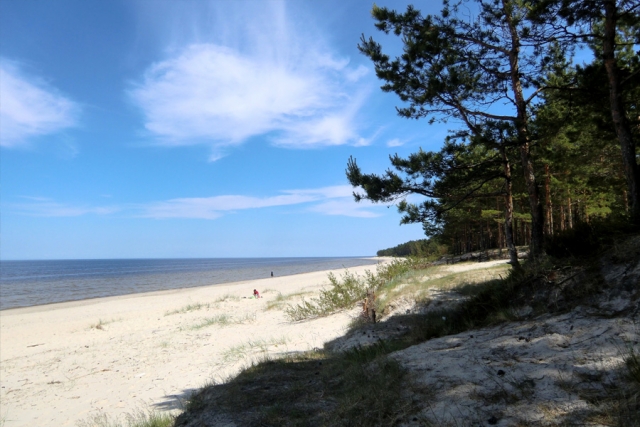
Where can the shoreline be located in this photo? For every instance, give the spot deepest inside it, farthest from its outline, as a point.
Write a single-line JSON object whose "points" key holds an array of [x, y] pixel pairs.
{"points": [[93, 300], [65, 362]]}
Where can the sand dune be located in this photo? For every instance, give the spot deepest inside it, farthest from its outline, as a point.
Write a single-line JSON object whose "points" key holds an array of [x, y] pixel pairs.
{"points": [[62, 363]]}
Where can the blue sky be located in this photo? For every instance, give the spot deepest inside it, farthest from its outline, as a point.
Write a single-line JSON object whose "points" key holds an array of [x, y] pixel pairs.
{"points": [[136, 129]]}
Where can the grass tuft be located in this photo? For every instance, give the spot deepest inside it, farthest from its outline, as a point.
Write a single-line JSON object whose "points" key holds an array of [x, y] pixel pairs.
{"points": [[225, 320], [632, 362], [102, 323], [362, 387], [347, 290], [188, 308], [137, 419], [227, 297], [280, 300]]}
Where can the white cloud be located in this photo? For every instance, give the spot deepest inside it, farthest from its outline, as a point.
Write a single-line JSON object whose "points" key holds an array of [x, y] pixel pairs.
{"points": [[277, 81], [29, 107], [357, 74], [344, 207], [214, 207], [43, 207], [332, 200], [395, 142]]}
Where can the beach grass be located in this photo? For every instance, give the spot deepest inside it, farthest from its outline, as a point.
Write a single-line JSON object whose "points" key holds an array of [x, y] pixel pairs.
{"points": [[252, 347], [225, 320], [280, 301], [100, 324], [227, 297], [342, 294], [188, 308], [362, 387], [417, 284], [136, 419]]}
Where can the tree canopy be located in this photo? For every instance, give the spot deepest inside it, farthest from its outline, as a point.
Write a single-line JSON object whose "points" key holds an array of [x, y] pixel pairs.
{"points": [[505, 78]]}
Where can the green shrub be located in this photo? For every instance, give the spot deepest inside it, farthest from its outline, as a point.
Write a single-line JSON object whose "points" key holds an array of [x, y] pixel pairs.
{"points": [[345, 292]]}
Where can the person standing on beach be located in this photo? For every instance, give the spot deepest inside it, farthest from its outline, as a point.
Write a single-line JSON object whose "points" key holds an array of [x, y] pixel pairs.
{"points": [[272, 274]]}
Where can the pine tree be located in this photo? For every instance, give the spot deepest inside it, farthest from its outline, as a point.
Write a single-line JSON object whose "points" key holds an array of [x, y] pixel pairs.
{"points": [[457, 68]]}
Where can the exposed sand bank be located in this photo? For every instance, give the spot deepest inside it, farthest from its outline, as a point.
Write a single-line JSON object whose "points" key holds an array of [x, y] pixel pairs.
{"points": [[61, 363]]}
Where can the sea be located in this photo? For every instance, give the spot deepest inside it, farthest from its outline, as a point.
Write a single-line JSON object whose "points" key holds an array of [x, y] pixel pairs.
{"points": [[30, 283]]}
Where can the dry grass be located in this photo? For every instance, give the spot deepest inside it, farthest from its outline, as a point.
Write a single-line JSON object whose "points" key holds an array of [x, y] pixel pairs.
{"points": [[227, 297], [137, 419], [362, 387], [225, 320], [281, 300], [100, 325], [188, 308], [252, 348], [349, 289]]}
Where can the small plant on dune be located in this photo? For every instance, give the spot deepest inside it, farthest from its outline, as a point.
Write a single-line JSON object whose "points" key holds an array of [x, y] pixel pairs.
{"points": [[345, 292], [280, 300], [359, 387], [102, 323], [251, 348], [188, 308], [136, 419], [99, 325], [225, 320], [342, 294], [632, 361], [227, 297]]}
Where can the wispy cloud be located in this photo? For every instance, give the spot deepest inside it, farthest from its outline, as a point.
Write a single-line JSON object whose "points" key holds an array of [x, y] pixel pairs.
{"points": [[395, 142], [30, 107], [44, 207], [333, 200], [214, 207], [279, 81], [344, 207]]}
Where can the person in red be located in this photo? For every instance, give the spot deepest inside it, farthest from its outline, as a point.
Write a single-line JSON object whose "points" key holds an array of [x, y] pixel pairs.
{"points": [[256, 294]]}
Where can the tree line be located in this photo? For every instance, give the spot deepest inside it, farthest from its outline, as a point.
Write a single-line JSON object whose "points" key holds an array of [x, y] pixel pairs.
{"points": [[541, 144]]}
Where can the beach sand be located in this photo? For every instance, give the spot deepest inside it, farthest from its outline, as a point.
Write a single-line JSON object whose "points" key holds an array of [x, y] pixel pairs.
{"points": [[64, 363]]}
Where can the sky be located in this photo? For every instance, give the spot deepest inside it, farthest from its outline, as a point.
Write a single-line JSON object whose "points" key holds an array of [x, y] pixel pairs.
{"points": [[182, 129]]}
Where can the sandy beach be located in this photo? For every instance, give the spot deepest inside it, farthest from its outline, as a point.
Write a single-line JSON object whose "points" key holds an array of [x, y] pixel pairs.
{"points": [[63, 363]]}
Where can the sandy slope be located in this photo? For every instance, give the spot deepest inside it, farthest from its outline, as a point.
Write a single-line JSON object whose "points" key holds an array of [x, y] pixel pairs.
{"points": [[57, 368]]}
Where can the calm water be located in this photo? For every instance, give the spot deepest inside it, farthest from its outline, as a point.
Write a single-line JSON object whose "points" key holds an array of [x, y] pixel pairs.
{"points": [[28, 283]]}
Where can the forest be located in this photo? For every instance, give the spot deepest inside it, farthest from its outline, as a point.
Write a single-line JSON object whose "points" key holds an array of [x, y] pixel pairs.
{"points": [[539, 143]]}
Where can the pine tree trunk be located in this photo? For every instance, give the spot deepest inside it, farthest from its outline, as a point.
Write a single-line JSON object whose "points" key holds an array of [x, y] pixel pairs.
{"points": [[569, 213], [508, 211], [537, 216], [625, 200], [549, 210], [586, 207], [620, 122]]}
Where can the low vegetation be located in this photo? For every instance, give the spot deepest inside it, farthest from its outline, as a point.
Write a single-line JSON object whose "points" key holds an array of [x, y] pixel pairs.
{"points": [[251, 348], [100, 324], [227, 297], [359, 388], [349, 289], [225, 320], [363, 386], [280, 301], [137, 419], [188, 308]]}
